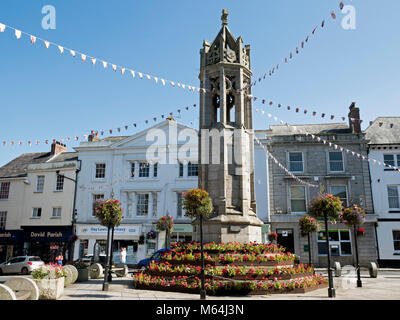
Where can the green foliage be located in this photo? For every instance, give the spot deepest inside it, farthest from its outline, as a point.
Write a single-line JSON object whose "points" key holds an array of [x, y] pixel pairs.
{"points": [[353, 215], [308, 224], [326, 204], [109, 212], [197, 203], [165, 223]]}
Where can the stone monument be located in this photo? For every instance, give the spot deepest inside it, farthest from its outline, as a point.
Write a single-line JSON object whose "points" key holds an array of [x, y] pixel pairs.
{"points": [[226, 147]]}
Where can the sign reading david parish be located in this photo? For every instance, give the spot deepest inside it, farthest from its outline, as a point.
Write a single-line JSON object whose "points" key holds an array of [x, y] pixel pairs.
{"points": [[48, 234]]}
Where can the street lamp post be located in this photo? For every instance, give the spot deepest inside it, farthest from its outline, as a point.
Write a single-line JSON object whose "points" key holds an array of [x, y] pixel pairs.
{"points": [[105, 283], [309, 248], [202, 290], [359, 282], [73, 222], [331, 289]]}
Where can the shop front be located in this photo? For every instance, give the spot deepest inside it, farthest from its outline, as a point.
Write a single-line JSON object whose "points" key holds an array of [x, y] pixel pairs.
{"points": [[93, 237], [47, 242], [182, 233], [11, 244]]}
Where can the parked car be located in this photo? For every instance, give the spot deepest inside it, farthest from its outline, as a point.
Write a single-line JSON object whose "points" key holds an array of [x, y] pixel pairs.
{"points": [[21, 264], [154, 257]]}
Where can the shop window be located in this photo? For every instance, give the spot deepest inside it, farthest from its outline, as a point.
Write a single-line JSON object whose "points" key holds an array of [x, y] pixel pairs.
{"points": [[155, 204], [179, 208], [339, 243]]}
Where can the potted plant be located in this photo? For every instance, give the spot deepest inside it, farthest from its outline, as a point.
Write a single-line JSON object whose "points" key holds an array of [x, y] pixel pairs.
{"points": [[328, 207], [50, 280], [198, 205], [308, 225], [151, 234], [83, 272]]}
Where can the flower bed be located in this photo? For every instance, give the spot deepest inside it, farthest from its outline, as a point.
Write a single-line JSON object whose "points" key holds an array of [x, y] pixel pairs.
{"points": [[221, 287], [230, 271], [229, 247]]}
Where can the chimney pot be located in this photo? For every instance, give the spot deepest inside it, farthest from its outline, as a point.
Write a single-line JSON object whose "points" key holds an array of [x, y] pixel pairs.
{"points": [[57, 147]]}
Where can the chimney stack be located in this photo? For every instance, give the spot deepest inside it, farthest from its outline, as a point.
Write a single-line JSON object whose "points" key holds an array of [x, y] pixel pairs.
{"points": [[57, 147], [93, 137], [354, 118]]}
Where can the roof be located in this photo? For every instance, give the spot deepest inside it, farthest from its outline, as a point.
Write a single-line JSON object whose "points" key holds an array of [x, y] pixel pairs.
{"points": [[18, 166], [321, 128], [384, 130]]}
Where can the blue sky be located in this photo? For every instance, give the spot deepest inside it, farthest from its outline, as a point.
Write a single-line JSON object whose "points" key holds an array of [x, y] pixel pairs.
{"points": [[44, 94]]}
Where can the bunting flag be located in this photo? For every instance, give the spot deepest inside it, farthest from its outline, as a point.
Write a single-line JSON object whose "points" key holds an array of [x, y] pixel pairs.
{"points": [[115, 67], [322, 25], [95, 132], [314, 113], [331, 144], [280, 165]]}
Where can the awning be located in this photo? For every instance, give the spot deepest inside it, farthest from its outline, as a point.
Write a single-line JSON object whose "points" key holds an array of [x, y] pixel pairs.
{"points": [[183, 228]]}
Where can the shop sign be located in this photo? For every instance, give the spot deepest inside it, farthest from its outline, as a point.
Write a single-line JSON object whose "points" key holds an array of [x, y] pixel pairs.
{"points": [[49, 234], [98, 230]]}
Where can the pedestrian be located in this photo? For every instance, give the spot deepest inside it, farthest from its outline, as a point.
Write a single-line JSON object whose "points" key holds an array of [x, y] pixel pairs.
{"points": [[123, 255], [59, 259]]}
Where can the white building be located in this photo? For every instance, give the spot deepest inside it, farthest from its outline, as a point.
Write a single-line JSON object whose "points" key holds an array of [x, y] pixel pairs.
{"points": [[142, 172], [384, 146], [36, 204]]}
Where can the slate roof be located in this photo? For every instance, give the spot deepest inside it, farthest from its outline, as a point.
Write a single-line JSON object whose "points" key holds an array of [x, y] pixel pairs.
{"points": [[317, 129], [18, 166], [384, 134]]}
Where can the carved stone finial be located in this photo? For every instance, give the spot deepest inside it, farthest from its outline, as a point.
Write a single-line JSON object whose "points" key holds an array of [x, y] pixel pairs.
{"points": [[224, 17]]}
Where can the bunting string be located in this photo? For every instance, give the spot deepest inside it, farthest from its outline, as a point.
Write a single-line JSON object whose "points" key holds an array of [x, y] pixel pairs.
{"points": [[298, 49], [105, 64], [331, 144], [100, 132]]}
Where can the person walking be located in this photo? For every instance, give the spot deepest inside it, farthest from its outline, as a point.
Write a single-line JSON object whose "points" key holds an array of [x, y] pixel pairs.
{"points": [[123, 255]]}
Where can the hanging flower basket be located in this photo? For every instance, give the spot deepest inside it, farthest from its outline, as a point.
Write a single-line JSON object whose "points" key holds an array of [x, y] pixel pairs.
{"points": [[165, 223], [361, 232], [353, 215], [272, 236], [151, 235], [109, 212], [307, 225], [326, 204], [197, 203]]}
